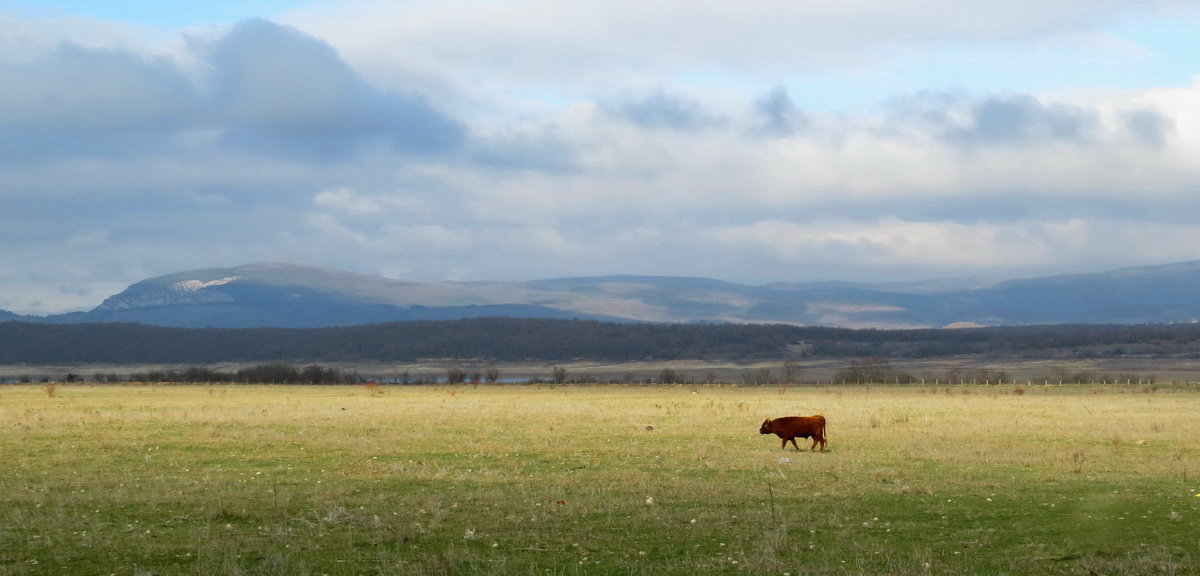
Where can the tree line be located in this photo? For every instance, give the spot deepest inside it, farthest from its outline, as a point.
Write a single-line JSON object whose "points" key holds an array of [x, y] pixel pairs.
{"points": [[854, 372], [271, 373], [514, 340]]}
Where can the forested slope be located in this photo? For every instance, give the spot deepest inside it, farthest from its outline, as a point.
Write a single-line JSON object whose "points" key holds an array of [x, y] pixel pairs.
{"points": [[502, 339]]}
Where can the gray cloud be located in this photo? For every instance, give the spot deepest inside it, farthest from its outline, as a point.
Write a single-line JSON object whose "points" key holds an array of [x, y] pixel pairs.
{"points": [[545, 153], [271, 90], [1148, 127], [1022, 118], [778, 115], [662, 110], [996, 119], [281, 91], [75, 101]]}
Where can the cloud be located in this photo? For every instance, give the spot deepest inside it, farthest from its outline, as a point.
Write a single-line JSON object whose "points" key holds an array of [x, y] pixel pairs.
{"points": [[660, 110], [581, 48], [1148, 126], [1022, 118], [330, 227], [348, 201], [777, 114], [894, 245], [996, 119], [278, 90], [75, 101], [542, 148], [268, 89]]}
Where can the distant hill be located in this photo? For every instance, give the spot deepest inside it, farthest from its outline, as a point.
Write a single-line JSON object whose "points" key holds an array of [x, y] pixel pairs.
{"points": [[299, 296]]}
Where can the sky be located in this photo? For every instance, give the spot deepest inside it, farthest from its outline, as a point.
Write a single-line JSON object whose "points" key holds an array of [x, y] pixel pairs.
{"points": [[754, 141]]}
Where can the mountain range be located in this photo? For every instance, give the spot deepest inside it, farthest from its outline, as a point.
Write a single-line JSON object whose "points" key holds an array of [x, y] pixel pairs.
{"points": [[302, 296]]}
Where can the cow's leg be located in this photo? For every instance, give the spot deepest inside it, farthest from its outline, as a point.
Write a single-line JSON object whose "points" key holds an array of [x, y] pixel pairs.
{"points": [[813, 448]]}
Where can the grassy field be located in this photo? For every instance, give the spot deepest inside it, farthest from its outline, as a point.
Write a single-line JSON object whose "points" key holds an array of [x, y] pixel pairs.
{"points": [[156, 480]]}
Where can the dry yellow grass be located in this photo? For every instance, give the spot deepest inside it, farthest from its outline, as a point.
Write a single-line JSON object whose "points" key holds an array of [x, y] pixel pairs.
{"points": [[605, 479]]}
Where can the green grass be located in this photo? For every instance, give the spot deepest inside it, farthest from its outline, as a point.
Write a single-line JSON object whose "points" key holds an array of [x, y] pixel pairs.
{"points": [[596, 480]]}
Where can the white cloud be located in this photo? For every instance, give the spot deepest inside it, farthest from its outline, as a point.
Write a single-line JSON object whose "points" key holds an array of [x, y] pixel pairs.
{"points": [[26, 37], [894, 245], [347, 200], [332, 228], [424, 237], [554, 47]]}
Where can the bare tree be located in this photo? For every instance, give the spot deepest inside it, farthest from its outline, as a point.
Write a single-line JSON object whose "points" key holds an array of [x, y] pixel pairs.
{"points": [[792, 372], [871, 371], [756, 376]]}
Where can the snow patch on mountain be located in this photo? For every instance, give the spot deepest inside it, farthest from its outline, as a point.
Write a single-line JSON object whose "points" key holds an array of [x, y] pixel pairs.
{"points": [[196, 285]]}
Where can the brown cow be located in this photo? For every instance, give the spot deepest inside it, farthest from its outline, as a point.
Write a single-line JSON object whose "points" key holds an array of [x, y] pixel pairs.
{"points": [[792, 427]]}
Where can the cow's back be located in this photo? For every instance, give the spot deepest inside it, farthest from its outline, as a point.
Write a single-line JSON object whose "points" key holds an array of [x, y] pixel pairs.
{"points": [[801, 425]]}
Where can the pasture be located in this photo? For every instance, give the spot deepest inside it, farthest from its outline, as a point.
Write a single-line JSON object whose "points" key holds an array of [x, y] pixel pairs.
{"points": [[350, 480]]}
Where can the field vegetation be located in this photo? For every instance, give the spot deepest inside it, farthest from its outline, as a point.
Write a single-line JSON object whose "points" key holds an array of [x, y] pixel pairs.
{"points": [[558, 479]]}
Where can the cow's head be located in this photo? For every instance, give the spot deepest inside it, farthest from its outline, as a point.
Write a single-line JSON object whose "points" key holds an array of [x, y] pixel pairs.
{"points": [[766, 427]]}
